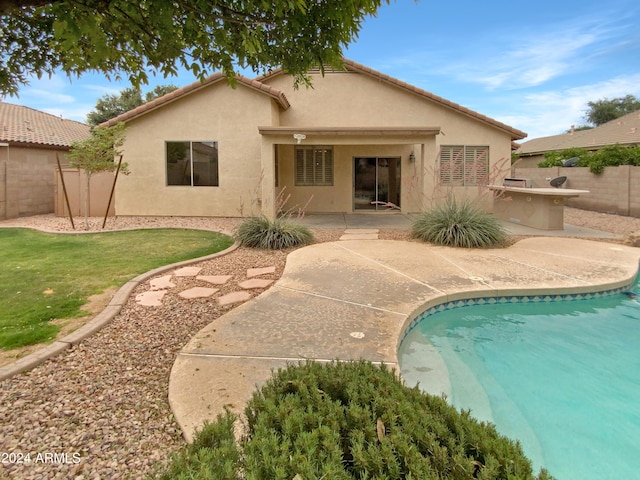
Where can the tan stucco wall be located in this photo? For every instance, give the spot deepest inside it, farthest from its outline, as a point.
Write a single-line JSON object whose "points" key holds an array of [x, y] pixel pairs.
{"points": [[216, 113], [27, 180], [232, 117], [354, 99]]}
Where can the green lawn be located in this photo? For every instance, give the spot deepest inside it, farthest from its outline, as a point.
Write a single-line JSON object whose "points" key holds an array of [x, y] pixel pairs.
{"points": [[48, 276]]}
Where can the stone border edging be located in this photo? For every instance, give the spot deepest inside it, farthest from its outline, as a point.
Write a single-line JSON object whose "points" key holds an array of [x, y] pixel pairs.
{"points": [[103, 318]]}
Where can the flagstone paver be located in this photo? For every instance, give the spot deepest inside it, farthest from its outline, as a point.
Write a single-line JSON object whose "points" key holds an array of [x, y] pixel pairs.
{"points": [[161, 283], [215, 279], [234, 297], [198, 292], [255, 283], [256, 272], [187, 271], [152, 298]]}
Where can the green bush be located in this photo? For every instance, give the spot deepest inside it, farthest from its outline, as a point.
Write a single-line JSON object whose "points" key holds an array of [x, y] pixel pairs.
{"points": [[608, 156], [262, 232], [353, 420], [555, 158], [463, 225]]}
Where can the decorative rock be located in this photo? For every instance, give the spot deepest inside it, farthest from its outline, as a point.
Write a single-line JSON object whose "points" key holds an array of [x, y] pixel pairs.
{"points": [[215, 279], [255, 283], [161, 283], [634, 239], [187, 271], [234, 297], [152, 298], [255, 272], [198, 292]]}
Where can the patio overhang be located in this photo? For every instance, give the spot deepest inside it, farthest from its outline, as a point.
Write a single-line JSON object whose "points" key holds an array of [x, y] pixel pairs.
{"points": [[349, 135]]}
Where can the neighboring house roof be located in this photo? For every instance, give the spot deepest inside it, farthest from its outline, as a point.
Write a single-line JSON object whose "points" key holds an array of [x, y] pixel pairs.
{"points": [[24, 125], [624, 131], [356, 67], [276, 94], [258, 84]]}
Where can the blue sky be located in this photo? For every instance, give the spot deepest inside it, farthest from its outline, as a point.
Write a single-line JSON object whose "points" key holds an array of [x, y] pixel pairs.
{"points": [[534, 68]]}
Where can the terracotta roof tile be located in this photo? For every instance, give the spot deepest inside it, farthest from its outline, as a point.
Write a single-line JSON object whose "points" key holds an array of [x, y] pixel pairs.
{"points": [[211, 79], [624, 131], [24, 125]]}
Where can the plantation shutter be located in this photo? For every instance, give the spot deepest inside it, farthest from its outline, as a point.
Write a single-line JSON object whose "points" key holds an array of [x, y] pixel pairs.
{"points": [[452, 165], [476, 165], [314, 166]]}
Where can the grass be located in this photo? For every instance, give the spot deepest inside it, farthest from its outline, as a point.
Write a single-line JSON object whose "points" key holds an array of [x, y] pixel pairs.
{"points": [[50, 276]]}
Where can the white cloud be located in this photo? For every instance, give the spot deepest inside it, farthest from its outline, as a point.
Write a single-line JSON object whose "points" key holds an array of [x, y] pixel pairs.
{"points": [[554, 111]]}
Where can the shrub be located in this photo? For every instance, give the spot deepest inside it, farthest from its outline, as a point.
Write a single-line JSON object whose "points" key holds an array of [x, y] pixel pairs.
{"points": [[463, 225], [555, 158], [262, 232], [355, 420]]}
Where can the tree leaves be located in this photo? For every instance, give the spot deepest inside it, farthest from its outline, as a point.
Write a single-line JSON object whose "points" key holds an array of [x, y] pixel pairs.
{"points": [[134, 39]]}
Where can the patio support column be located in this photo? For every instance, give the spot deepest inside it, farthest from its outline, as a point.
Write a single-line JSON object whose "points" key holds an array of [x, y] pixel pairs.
{"points": [[268, 200], [423, 173]]}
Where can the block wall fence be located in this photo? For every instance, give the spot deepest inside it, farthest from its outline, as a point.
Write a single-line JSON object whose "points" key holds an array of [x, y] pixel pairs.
{"points": [[616, 190]]}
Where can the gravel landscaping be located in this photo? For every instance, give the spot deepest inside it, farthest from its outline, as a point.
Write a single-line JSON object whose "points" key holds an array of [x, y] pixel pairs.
{"points": [[100, 409]]}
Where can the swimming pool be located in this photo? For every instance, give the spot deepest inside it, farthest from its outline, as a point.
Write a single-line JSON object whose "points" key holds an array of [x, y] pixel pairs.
{"points": [[563, 377]]}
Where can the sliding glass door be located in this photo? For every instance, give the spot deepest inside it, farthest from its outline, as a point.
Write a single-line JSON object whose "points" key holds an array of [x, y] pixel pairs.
{"points": [[376, 183]]}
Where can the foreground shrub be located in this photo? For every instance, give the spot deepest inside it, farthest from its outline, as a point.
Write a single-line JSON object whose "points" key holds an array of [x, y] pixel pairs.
{"points": [[463, 225], [355, 420], [262, 232]]}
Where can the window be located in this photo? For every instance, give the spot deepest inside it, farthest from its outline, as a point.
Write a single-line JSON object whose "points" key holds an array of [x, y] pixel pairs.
{"points": [[314, 166], [192, 163], [463, 165]]}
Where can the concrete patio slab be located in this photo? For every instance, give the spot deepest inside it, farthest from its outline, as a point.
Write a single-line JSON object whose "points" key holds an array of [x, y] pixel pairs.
{"points": [[354, 299]]}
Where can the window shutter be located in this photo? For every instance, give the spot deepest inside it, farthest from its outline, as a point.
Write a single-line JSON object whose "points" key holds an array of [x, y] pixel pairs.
{"points": [[452, 165], [301, 170], [476, 165], [323, 166]]}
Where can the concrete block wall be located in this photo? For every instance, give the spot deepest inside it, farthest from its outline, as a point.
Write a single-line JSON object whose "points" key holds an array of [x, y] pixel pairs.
{"points": [[26, 182], [616, 190]]}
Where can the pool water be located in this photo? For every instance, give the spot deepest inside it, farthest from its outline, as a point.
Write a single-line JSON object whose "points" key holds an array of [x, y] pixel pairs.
{"points": [[562, 377]]}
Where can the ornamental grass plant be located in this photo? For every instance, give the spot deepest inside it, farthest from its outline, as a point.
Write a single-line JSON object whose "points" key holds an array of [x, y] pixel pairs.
{"points": [[459, 225], [350, 420], [279, 233]]}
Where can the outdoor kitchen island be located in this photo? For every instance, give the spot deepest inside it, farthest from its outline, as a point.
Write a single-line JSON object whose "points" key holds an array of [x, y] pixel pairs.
{"points": [[541, 208]]}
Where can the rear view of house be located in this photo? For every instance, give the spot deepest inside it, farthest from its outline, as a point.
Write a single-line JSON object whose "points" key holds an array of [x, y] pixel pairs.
{"points": [[358, 141]]}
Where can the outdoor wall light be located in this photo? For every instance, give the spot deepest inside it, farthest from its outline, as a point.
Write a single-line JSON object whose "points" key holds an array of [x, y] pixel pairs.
{"points": [[412, 157], [299, 137]]}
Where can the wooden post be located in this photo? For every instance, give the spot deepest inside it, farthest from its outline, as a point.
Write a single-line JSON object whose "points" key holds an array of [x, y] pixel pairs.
{"points": [[113, 188], [64, 189]]}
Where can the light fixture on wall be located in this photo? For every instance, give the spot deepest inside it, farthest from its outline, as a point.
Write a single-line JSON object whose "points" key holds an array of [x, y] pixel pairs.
{"points": [[299, 137], [412, 157]]}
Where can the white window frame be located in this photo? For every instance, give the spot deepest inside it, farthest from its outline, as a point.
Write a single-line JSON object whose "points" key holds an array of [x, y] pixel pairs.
{"points": [[464, 165]]}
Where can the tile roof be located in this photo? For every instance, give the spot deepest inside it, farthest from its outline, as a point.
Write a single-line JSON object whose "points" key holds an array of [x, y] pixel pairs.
{"points": [[24, 125], [181, 92], [624, 131], [258, 84], [356, 67]]}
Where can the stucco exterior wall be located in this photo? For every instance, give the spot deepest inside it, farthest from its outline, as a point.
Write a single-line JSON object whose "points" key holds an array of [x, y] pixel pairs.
{"points": [[216, 113], [27, 181], [354, 99]]}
